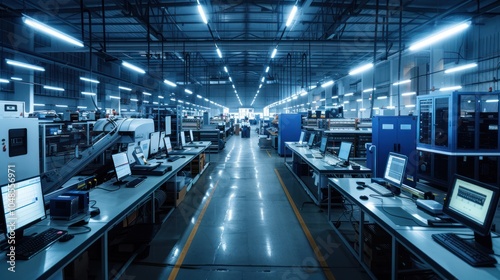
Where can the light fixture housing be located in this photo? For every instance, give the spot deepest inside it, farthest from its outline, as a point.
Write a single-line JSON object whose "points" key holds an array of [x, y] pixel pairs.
{"points": [[460, 68], [349, 94], [133, 67], [291, 16], [361, 69], [188, 91], [89, 93], [267, 69], [53, 88], [225, 69], [202, 14], [125, 88], [401, 82], [219, 53], [24, 65], [172, 84], [146, 93], [114, 97], [327, 84], [4, 81], [439, 36], [273, 54], [89, 80], [51, 31], [450, 88]]}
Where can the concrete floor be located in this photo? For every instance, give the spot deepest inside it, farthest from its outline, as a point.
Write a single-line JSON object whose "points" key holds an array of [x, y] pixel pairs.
{"points": [[238, 223]]}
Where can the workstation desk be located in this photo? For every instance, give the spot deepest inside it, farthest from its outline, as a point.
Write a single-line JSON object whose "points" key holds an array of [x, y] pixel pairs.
{"points": [[414, 236], [321, 168], [115, 205]]}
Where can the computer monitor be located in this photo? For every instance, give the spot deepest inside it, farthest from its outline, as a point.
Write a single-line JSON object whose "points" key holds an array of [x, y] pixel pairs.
{"points": [[183, 139], [144, 144], [191, 136], [27, 209], [154, 145], [130, 153], [322, 146], [395, 171], [302, 136], [344, 152], [139, 156], [473, 204], [310, 143], [162, 143], [122, 167], [168, 144]]}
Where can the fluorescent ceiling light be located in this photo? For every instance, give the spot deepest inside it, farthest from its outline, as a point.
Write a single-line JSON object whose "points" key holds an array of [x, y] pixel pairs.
{"points": [[291, 16], [199, 96], [408, 93], [362, 109], [88, 93], [133, 67], [349, 94], [359, 100], [491, 100], [114, 97], [262, 80], [134, 99], [39, 104], [335, 96], [160, 97], [202, 14], [53, 88], [347, 101], [382, 97], [260, 86], [16, 78], [327, 84], [145, 101], [61, 106], [274, 52], [450, 88], [401, 82], [81, 107], [132, 110], [146, 93], [267, 69], [295, 97], [369, 89], [391, 107], [230, 79], [125, 88], [219, 53], [460, 68], [173, 99], [24, 65], [410, 106], [172, 84], [353, 110], [303, 93], [89, 80], [439, 36], [180, 101], [206, 99], [188, 91], [51, 31], [156, 103], [361, 69], [322, 99], [225, 70], [5, 81]]}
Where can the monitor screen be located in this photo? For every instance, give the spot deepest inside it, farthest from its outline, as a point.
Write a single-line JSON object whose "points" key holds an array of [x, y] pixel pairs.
{"points": [[139, 156], [168, 145], [191, 136], [162, 143], [28, 208], [472, 203], [183, 138], [154, 143], [322, 147], [395, 169], [345, 151], [121, 165], [302, 136], [130, 152], [310, 143], [144, 144]]}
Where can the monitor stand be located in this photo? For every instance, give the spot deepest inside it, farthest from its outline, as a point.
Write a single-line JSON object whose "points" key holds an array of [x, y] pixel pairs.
{"points": [[483, 242], [120, 182]]}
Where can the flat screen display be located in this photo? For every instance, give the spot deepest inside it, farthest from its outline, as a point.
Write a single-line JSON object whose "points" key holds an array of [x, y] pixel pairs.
{"points": [[122, 167], [144, 144], [322, 146], [345, 151], [154, 138], [395, 169]]}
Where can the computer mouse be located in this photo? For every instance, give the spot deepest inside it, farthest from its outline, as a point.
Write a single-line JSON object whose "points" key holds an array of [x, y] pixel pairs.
{"points": [[183, 156], [363, 197], [360, 187], [66, 237], [360, 183]]}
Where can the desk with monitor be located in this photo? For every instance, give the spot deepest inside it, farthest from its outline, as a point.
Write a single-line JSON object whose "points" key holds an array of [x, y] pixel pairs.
{"points": [[408, 231], [326, 166], [115, 203]]}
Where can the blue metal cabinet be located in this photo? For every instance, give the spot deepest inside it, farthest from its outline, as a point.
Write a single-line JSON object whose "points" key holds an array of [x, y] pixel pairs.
{"points": [[289, 128], [395, 134]]}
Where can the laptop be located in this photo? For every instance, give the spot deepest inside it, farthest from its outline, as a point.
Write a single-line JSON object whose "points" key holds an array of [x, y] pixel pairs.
{"points": [[322, 148], [143, 167], [301, 142]]}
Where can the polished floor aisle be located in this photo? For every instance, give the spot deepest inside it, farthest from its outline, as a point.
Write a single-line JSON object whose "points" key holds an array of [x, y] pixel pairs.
{"points": [[240, 221]]}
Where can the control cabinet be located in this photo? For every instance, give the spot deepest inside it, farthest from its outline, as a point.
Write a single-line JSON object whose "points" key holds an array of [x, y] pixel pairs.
{"points": [[458, 133]]}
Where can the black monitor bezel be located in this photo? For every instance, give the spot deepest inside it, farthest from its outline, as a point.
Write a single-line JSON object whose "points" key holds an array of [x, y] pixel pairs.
{"points": [[324, 140], [484, 229], [391, 183], [310, 142], [19, 231], [114, 167]]}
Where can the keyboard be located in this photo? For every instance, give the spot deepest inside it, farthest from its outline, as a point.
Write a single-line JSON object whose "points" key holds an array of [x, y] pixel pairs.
{"points": [[463, 249], [380, 190], [317, 155], [134, 183], [29, 246], [173, 158]]}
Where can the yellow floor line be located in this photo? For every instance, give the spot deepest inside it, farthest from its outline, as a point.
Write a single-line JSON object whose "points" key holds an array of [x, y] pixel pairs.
{"points": [[268, 153], [185, 249], [314, 246]]}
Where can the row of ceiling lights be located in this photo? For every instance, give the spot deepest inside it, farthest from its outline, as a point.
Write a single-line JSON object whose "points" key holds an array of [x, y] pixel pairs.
{"points": [[43, 28], [427, 41]]}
